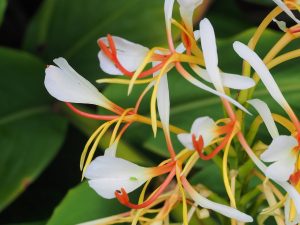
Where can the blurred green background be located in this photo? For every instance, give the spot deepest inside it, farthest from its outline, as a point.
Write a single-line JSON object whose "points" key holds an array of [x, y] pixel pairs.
{"points": [[41, 141]]}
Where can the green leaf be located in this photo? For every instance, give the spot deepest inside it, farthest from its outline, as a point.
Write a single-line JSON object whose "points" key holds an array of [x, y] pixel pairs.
{"points": [[31, 134], [82, 204], [3, 4], [70, 28], [29, 223]]}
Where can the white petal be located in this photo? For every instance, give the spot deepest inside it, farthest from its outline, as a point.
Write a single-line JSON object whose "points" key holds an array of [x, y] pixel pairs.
{"points": [[222, 209], [287, 208], [229, 80], [111, 150], [163, 99], [281, 147], [266, 115], [209, 47], [187, 8], [108, 174], [261, 69], [199, 84], [286, 10], [282, 169], [130, 55], [181, 48], [186, 140], [65, 84], [168, 9], [293, 194], [204, 126]]}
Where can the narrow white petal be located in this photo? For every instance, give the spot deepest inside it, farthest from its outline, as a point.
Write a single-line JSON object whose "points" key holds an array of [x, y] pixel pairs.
{"points": [[130, 56], [111, 150], [181, 48], [229, 80], [65, 84], [280, 148], [204, 126], [187, 8], [199, 84], [222, 209], [266, 115], [186, 140], [163, 99], [235, 81], [286, 10], [261, 69], [168, 9], [107, 174], [282, 169], [209, 47]]}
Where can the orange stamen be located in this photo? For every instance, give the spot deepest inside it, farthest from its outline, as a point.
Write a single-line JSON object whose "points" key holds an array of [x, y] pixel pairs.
{"points": [[90, 115], [111, 53], [123, 198]]}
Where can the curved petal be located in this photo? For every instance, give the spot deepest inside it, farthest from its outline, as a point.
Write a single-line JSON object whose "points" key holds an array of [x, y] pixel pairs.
{"points": [[129, 54], [199, 84], [186, 140], [187, 8], [281, 147], [209, 47], [163, 99], [286, 10], [204, 126], [106, 187], [261, 69], [222, 209], [168, 9], [111, 150], [65, 84], [282, 169], [266, 115], [229, 80], [107, 174]]}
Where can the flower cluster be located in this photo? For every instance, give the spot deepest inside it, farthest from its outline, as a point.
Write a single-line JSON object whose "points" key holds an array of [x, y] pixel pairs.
{"points": [[114, 177]]}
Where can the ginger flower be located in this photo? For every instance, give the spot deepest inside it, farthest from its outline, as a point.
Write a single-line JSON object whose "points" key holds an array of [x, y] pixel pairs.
{"points": [[65, 84], [283, 151], [119, 56], [204, 131], [109, 174]]}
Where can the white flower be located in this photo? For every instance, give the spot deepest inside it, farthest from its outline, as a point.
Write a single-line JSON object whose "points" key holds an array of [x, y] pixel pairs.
{"points": [[209, 47], [229, 80], [222, 209], [281, 150], [187, 8], [261, 69], [108, 174], [65, 84], [284, 7], [130, 55], [202, 126]]}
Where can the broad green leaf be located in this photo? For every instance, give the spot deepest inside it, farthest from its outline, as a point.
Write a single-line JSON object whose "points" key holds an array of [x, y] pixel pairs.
{"points": [[31, 134], [3, 4], [82, 204], [70, 28]]}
